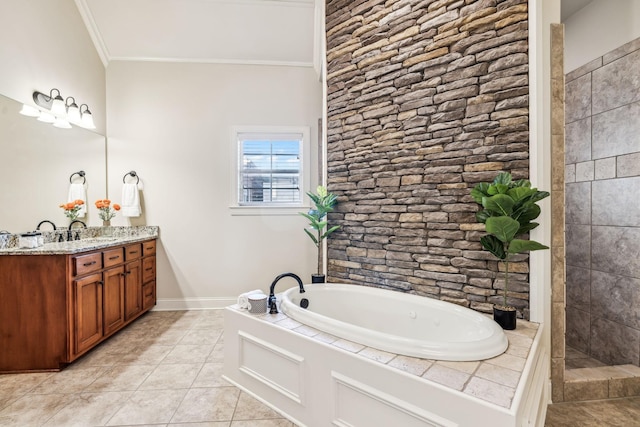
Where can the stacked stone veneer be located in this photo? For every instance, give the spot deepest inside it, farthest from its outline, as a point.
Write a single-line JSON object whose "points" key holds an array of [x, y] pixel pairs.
{"points": [[425, 99], [603, 207]]}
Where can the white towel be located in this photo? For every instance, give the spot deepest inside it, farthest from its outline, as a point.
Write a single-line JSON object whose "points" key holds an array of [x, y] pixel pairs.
{"points": [[78, 192], [130, 203], [243, 299]]}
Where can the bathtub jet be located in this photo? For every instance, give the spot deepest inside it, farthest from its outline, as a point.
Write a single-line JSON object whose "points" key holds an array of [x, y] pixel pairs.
{"points": [[395, 322]]}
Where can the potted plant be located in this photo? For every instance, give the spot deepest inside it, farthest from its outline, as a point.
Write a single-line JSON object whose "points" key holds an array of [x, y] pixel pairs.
{"points": [[508, 209], [317, 231]]}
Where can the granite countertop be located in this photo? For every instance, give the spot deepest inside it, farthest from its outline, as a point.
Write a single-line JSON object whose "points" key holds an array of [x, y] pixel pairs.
{"points": [[92, 238]]}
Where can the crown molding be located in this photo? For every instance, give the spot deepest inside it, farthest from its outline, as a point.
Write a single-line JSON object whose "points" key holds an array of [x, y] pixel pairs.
{"points": [[94, 33], [217, 61]]}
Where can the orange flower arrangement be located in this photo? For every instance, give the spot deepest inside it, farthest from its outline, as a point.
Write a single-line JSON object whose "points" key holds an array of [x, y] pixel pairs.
{"points": [[107, 210], [71, 209]]}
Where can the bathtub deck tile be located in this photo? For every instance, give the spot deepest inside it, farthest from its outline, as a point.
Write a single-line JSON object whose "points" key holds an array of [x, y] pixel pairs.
{"points": [[518, 351], [411, 365], [325, 338], [377, 355], [451, 378], [508, 361], [273, 318], [498, 374], [525, 329], [466, 367], [491, 392], [288, 323], [306, 331], [351, 346]]}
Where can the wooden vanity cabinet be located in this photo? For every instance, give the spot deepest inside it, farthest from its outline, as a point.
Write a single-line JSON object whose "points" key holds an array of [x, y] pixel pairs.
{"points": [[113, 299], [55, 308], [133, 281], [121, 291], [88, 311], [148, 275]]}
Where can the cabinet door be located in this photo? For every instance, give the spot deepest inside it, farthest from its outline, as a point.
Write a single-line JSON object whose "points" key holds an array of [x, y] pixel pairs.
{"points": [[132, 290], [88, 311], [113, 299], [148, 269], [148, 295]]}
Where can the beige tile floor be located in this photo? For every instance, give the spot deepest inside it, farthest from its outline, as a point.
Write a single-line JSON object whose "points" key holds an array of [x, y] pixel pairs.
{"points": [[163, 370]]}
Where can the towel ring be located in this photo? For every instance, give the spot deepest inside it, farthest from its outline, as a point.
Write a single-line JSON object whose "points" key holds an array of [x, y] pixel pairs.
{"points": [[80, 174], [132, 174]]}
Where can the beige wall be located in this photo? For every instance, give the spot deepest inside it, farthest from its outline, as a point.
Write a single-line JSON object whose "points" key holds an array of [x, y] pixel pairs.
{"points": [[600, 27], [44, 45], [171, 123]]}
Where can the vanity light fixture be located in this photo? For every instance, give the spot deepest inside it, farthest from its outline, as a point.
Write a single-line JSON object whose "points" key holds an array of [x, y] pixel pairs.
{"points": [[29, 111], [73, 112], [57, 105], [62, 123], [54, 109], [87, 118], [46, 117]]}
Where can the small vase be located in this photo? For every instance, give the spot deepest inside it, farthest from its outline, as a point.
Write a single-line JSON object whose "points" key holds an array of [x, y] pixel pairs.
{"points": [[107, 230]]}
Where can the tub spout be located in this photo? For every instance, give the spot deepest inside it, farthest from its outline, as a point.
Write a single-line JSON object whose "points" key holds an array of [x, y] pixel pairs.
{"points": [[273, 309]]}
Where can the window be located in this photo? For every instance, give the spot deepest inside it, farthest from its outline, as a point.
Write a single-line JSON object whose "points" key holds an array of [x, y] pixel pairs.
{"points": [[272, 169]]}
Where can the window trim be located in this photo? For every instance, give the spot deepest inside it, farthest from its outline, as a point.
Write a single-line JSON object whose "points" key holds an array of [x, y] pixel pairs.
{"points": [[305, 172]]}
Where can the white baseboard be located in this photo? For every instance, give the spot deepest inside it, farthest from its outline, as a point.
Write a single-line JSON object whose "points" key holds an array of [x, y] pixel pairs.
{"points": [[177, 304]]}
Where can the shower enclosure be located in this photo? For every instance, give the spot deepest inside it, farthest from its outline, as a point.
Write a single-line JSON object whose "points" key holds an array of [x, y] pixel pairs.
{"points": [[602, 184]]}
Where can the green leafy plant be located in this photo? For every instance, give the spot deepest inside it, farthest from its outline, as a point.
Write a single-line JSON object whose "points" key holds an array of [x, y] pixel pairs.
{"points": [[508, 209], [317, 231]]}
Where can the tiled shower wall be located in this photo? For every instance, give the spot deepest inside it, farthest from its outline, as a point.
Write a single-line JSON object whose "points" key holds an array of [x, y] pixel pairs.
{"points": [[603, 206], [425, 99]]}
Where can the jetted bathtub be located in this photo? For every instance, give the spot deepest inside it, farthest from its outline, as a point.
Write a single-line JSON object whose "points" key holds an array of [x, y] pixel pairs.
{"points": [[396, 322]]}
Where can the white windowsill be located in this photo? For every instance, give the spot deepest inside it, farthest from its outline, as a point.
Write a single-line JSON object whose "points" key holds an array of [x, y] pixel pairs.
{"points": [[267, 210]]}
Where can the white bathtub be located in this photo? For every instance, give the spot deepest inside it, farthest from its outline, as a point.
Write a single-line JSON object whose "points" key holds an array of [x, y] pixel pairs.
{"points": [[399, 323]]}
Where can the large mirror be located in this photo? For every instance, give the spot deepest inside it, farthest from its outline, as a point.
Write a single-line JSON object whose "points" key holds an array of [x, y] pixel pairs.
{"points": [[37, 161]]}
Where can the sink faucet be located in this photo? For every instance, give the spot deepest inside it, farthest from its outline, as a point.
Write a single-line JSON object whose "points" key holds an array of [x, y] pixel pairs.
{"points": [[46, 220], [71, 225], [272, 297]]}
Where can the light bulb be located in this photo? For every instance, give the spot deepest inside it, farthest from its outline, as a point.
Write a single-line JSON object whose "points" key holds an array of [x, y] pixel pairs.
{"points": [[57, 106], [46, 117], [28, 110], [87, 118], [61, 123]]}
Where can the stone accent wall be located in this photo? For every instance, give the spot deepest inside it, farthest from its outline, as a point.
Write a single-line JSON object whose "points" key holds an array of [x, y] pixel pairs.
{"points": [[426, 98], [602, 209]]}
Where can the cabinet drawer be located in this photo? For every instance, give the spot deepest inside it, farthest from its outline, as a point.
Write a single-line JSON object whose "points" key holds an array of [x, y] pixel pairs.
{"points": [[113, 257], [132, 252], [149, 248], [148, 269], [148, 295], [84, 264]]}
